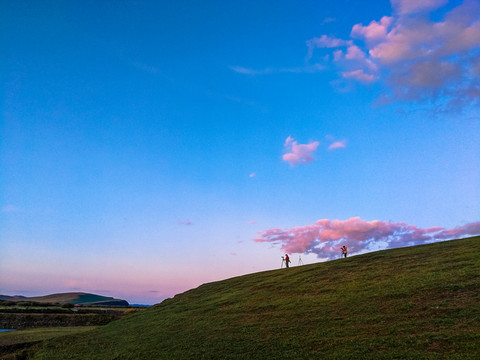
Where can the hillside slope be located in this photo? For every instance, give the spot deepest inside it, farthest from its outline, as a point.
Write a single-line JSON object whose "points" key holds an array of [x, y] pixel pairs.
{"points": [[411, 303]]}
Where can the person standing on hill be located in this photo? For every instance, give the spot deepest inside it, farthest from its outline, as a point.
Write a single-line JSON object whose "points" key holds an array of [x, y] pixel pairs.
{"points": [[344, 251], [287, 261]]}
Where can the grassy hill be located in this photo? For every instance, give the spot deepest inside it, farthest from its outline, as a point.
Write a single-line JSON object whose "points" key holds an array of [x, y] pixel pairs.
{"points": [[420, 302], [71, 298]]}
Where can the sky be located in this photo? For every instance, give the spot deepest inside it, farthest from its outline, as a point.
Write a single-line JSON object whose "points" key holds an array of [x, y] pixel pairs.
{"points": [[147, 147]]}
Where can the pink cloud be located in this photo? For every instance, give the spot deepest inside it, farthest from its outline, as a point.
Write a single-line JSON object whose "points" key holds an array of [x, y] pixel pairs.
{"points": [[374, 31], [186, 222], [359, 75], [427, 59], [460, 31], [338, 145], [408, 39], [424, 79], [405, 7], [325, 237], [299, 153], [415, 57], [354, 53], [288, 141], [338, 55], [325, 41], [468, 229]]}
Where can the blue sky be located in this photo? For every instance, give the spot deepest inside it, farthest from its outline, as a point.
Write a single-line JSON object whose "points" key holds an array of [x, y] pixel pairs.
{"points": [[149, 147]]}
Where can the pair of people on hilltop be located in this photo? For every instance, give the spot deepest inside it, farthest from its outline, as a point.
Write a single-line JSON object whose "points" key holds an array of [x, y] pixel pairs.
{"points": [[343, 248]]}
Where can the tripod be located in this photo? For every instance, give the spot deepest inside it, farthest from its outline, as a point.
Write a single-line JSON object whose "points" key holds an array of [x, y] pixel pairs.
{"points": [[283, 262], [300, 262]]}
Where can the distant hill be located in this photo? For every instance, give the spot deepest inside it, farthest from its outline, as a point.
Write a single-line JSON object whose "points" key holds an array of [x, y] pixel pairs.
{"points": [[12, 298], [421, 302], [71, 298]]}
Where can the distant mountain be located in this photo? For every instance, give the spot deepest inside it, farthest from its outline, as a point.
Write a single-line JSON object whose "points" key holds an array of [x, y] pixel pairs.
{"points": [[12, 298], [79, 298]]}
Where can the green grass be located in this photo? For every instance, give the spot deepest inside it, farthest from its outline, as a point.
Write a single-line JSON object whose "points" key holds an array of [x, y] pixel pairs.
{"points": [[39, 334], [420, 302], [21, 344]]}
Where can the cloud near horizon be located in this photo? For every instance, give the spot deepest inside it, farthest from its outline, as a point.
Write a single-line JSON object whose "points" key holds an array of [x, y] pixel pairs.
{"points": [[325, 237], [299, 153], [414, 57], [186, 222]]}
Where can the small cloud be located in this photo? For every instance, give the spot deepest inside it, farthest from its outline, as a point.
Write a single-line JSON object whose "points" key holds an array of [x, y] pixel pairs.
{"points": [[325, 41], [186, 222], [247, 71], [359, 75], [288, 141], [338, 145], [251, 222], [308, 68], [299, 153]]}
